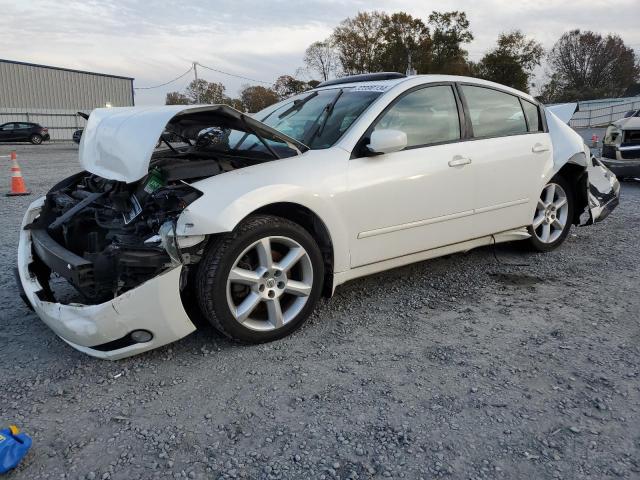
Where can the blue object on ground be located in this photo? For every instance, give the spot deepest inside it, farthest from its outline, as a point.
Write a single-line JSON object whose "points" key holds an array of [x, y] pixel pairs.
{"points": [[13, 447]]}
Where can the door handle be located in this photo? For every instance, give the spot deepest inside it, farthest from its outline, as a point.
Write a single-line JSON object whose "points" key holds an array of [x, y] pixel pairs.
{"points": [[459, 161], [539, 148]]}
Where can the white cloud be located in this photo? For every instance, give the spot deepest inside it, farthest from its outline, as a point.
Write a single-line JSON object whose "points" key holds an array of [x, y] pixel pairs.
{"points": [[157, 40]]}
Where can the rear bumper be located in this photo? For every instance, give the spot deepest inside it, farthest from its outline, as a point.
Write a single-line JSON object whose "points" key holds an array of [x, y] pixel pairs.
{"points": [[103, 330], [623, 168]]}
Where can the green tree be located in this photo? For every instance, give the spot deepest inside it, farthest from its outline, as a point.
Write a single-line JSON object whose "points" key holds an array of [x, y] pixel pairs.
{"points": [[359, 41], [235, 103], [203, 92], [512, 61], [255, 98], [176, 98], [286, 86], [450, 30], [407, 44], [587, 65]]}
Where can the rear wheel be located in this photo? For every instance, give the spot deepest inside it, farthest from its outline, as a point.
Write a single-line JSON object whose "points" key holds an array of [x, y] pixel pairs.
{"points": [[554, 213], [262, 281], [36, 139]]}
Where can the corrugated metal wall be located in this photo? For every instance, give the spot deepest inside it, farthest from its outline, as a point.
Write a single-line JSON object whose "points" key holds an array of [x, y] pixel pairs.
{"points": [[34, 88]]}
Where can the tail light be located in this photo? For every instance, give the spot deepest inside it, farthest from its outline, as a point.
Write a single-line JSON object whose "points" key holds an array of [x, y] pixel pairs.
{"points": [[45, 130]]}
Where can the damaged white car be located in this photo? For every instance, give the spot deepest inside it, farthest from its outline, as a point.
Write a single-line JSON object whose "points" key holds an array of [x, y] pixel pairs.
{"points": [[246, 221]]}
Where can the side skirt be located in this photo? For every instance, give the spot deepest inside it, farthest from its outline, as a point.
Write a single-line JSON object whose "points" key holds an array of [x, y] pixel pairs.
{"points": [[508, 236]]}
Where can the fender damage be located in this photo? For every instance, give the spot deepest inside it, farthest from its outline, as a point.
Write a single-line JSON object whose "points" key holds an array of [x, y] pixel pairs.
{"points": [[597, 188], [110, 230]]}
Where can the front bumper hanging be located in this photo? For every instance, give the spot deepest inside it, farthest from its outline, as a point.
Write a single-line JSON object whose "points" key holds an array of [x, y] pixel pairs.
{"points": [[103, 330]]}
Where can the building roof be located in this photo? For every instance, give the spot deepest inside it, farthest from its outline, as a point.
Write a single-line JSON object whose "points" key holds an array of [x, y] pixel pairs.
{"points": [[2, 60]]}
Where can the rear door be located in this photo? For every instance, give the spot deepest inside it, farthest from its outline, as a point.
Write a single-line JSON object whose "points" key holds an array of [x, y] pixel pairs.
{"points": [[23, 131], [510, 153]]}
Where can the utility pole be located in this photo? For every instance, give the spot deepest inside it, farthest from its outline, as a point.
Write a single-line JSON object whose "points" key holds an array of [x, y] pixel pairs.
{"points": [[410, 69], [195, 72]]}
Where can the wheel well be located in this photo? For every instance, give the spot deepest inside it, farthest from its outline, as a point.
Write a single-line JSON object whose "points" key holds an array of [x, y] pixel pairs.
{"points": [[578, 178], [308, 220]]}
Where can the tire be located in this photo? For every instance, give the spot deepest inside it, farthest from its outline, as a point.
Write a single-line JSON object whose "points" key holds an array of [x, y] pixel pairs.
{"points": [[36, 139], [279, 299], [553, 221]]}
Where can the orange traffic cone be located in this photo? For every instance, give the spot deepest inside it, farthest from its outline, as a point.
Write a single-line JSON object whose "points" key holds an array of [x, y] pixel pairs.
{"points": [[17, 182]]}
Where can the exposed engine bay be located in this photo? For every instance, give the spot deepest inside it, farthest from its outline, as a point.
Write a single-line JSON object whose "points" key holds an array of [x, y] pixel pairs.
{"points": [[108, 236], [122, 234]]}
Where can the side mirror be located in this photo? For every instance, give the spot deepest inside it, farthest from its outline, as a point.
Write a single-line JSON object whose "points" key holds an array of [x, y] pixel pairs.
{"points": [[387, 141]]}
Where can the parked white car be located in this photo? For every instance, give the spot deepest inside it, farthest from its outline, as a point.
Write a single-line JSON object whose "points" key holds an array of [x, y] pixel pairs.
{"points": [[248, 220]]}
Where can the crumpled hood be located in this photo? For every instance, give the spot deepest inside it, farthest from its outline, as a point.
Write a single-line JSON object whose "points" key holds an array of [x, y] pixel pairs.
{"points": [[117, 143]]}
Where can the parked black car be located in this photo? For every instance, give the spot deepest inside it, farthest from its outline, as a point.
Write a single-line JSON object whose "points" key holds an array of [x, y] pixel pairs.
{"points": [[23, 132]]}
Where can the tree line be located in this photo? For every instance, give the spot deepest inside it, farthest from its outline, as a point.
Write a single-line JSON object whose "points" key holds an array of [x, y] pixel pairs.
{"points": [[581, 65]]}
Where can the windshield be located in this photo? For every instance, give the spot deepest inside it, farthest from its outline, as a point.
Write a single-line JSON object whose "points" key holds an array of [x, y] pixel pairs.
{"points": [[318, 119]]}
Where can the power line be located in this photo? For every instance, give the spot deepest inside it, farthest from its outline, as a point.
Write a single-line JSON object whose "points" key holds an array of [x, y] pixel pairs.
{"points": [[234, 75], [166, 83], [193, 68]]}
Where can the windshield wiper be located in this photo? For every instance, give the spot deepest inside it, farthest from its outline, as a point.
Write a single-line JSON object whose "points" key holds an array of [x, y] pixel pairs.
{"points": [[297, 105], [327, 110]]}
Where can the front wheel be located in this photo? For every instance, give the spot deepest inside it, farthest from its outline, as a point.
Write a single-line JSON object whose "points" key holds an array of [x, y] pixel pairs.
{"points": [[262, 281], [554, 213]]}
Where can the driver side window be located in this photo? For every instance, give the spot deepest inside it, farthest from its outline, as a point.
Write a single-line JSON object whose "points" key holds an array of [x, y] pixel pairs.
{"points": [[427, 116]]}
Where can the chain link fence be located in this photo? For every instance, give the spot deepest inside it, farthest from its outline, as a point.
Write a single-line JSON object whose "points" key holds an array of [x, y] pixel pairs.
{"points": [[600, 116]]}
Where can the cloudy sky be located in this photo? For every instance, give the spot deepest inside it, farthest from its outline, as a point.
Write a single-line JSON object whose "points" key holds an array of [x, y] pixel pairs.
{"points": [[156, 40]]}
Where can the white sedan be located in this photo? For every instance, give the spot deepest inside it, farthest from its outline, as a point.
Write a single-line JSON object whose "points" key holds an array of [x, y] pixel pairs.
{"points": [[247, 220]]}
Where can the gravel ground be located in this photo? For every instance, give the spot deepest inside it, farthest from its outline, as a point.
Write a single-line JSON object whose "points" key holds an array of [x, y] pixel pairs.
{"points": [[492, 364]]}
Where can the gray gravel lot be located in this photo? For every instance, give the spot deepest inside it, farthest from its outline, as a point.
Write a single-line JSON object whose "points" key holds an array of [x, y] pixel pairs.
{"points": [[476, 366]]}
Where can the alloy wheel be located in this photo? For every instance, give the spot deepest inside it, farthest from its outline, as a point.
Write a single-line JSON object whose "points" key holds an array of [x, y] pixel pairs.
{"points": [[551, 214], [269, 283]]}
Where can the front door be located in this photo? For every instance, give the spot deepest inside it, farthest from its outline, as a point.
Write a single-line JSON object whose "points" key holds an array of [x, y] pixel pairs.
{"points": [[421, 197], [7, 132]]}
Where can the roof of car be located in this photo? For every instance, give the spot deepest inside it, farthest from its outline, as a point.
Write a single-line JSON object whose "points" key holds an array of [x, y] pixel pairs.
{"points": [[629, 123], [384, 85]]}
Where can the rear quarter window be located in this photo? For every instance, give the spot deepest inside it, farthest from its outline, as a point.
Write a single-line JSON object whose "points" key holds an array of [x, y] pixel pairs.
{"points": [[532, 112]]}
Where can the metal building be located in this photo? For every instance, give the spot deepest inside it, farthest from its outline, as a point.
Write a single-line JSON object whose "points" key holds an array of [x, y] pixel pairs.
{"points": [[51, 96]]}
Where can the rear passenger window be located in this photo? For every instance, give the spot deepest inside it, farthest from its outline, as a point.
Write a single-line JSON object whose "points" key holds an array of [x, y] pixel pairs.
{"points": [[427, 116], [533, 116], [493, 113]]}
